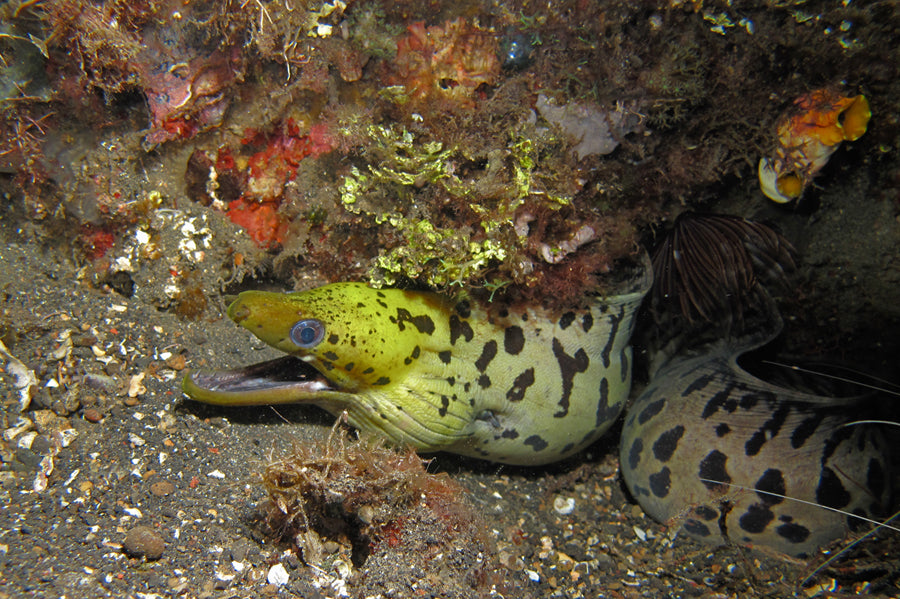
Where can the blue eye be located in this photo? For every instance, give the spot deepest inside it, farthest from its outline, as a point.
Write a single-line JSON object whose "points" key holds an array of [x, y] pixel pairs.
{"points": [[307, 333]]}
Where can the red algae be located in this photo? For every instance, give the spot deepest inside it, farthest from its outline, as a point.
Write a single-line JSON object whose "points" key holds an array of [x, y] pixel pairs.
{"points": [[248, 182], [260, 220], [95, 241], [270, 168]]}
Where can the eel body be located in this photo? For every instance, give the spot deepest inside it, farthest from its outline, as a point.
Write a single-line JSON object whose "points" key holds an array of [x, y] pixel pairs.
{"points": [[726, 454], [440, 374]]}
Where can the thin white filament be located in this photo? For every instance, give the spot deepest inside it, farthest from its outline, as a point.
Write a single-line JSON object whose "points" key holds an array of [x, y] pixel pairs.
{"points": [[812, 503]]}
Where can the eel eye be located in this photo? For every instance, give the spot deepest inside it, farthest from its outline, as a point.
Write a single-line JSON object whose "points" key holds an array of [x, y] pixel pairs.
{"points": [[307, 333]]}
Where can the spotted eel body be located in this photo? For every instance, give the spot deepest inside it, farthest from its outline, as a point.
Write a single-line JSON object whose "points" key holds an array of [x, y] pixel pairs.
{"points": [[704, 421], [517, 387], [521, 387]]}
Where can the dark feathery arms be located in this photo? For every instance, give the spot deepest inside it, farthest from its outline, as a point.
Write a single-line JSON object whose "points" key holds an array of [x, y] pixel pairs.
{"points": [[709, 265]]}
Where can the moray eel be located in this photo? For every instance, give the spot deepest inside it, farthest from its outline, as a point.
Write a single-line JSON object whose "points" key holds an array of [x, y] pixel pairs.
{"points": [[511, 386], [705, 420]]}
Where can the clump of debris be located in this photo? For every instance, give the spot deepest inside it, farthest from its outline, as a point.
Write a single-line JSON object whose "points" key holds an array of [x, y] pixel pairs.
{"points": [[350, 507]]}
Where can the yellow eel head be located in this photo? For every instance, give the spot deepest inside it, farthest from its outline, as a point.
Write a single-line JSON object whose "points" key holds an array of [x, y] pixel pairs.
{"points": [[350, 347], [339, 331]]}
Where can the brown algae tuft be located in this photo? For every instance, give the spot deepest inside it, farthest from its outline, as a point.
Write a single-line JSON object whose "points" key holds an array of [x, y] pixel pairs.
{"points": [[356, 501]]}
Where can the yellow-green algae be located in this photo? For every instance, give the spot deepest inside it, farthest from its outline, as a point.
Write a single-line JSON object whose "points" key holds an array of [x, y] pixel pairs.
{"points": [[385, 190]]}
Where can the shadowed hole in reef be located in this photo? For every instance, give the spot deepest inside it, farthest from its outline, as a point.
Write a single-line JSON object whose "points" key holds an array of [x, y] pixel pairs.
{"points": [[121, 282]]}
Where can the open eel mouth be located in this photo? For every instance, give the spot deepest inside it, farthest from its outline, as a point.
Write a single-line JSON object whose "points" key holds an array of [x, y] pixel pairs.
{"points": [[283, 380]]}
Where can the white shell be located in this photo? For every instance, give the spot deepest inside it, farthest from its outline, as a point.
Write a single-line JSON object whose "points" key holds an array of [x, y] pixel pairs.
{"points": [[768, 182]]}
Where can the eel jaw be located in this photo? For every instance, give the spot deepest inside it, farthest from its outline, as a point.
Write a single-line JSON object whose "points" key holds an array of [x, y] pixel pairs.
{"points": [[283, 380]]}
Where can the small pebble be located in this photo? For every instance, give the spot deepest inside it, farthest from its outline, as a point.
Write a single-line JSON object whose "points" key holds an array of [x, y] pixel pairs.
{"points": [[278, 575], [366, 513], [143, 541], [566, 563], [162, 488], [136, 386], [564, 505], [239, 550], [223, 580], [641, 534], [176, 362], [93, 415], [81, 340], [99, 381], [41, 445], [28, 458], [331, 547]]}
